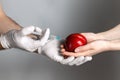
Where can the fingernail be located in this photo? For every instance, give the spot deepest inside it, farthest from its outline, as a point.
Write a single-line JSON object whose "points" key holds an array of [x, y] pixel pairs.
{"points": [[77, 50]]}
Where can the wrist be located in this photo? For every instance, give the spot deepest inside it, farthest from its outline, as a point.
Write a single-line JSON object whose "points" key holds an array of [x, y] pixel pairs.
{"points": [[6, 39], [4, 42], [114, 45], [104, 35]]}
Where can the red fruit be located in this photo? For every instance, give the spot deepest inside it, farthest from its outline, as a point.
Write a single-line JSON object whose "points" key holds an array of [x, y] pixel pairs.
{"points": [[74, 40]]}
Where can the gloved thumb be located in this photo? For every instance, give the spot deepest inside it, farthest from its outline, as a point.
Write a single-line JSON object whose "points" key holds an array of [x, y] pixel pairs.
{"points": [[45, 36]]}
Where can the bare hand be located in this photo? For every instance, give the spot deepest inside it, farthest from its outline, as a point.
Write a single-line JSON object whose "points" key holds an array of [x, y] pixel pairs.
{"points": [[90, 49]]}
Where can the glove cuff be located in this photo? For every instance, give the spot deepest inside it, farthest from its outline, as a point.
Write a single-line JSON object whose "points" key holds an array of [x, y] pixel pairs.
{"points": [[5, 44], [6, 39]]}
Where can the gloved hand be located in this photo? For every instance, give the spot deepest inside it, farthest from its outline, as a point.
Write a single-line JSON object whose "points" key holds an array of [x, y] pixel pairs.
{"points": [[20, 38], [52, 50]]}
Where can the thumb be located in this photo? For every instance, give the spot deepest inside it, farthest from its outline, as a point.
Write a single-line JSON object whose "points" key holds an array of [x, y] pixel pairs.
{"points": [[83, 48]]}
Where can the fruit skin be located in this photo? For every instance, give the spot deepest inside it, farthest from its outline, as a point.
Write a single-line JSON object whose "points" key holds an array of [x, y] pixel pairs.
{"points": [[74, 40]]}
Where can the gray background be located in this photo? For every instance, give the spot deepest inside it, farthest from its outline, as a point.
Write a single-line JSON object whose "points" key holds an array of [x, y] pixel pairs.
{"points": [[62, 17]]}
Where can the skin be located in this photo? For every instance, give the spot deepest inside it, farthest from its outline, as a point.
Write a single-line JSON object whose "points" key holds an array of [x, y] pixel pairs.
{"points": [[6, 23], [97, 43]]}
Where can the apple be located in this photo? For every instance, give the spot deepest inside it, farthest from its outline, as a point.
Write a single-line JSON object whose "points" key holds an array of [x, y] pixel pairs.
{"points": [[74, 40]]}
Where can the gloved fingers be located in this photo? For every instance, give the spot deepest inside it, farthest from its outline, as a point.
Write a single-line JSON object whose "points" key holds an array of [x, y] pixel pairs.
{"points": [[37, 31], [39, 50], [31, 30], [57, 58], [45, 36], [67, 60], [87, 58], [78, 59], [43, 39]]}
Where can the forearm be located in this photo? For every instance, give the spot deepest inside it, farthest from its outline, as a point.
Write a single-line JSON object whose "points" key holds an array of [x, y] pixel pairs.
{"points": [[6, 24], [114, 45], [111, 34]]}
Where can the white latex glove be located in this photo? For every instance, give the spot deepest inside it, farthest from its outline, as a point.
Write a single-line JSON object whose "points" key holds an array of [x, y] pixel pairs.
{"points": [[52, 50], [80, 60], [20, 38]]}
